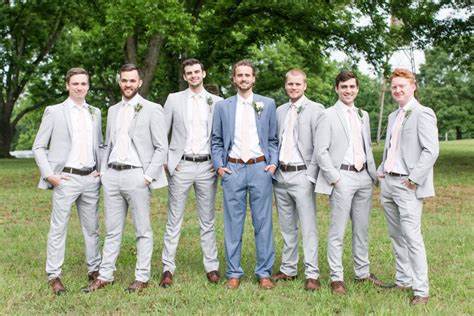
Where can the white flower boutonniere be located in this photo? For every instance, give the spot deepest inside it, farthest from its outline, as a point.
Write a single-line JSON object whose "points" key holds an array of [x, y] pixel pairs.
{"points": [[407, 113], [258, 107]]}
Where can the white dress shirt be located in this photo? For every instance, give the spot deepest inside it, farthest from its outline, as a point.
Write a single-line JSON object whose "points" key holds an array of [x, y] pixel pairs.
{"points": [[204, 108], [73, 160], [347, 110], [296, 158], [398, 166], [255, 150]]}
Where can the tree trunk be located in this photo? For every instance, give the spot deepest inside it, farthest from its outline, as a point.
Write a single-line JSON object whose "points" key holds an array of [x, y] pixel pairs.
{"points": [[6, 137], [458, 133]]}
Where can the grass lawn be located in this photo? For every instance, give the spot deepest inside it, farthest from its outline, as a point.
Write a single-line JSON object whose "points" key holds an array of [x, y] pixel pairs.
{"points": [[447, 227]]}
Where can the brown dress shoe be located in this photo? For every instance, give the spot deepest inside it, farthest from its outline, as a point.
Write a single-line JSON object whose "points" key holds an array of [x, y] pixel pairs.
{"points": [[280, 276], [166, 279], [57, 286], [266, 283], [213, 277], [399, 287], [419, 300], [337, 287], [374, 280], [97, 284], [312, 284], [92, 276], [233, 283], [137, 286]]}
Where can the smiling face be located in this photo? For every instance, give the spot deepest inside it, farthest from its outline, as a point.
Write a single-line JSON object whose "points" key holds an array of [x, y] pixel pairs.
{"points": [[129, 83], [403, 90], [295, 86], [243, 78], [78, 86], [347, 91], [194, 76]]}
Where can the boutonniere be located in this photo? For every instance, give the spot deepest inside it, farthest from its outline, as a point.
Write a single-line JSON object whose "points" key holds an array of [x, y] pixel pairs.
{"points": [[210, 102], [91, 111], [258, 107], [361, 115], [407, 113], [138, 108], [299, 109]]}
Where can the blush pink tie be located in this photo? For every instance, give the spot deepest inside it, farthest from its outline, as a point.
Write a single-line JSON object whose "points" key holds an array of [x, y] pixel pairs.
{"points": [[244, 132], [123, 136], [196, 121], [358, 150], [289, 140], [392, 151]]}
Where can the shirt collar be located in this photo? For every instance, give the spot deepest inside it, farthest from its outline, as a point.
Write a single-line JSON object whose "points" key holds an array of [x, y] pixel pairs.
{"points": [[408, 105], [299, 102], [133, 101], [72, 105], [249, 100], [345, 107], [199, 94]]}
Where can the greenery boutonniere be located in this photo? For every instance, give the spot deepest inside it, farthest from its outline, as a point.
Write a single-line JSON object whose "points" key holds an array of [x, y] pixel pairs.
{"points": [[258, 107], [299, 109], [138, 108], [361, 115], [91, 111], [407, 113], [210, 102]]}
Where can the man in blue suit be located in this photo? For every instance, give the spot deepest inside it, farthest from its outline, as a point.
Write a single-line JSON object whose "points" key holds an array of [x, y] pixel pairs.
{"points": [[245, 154]]}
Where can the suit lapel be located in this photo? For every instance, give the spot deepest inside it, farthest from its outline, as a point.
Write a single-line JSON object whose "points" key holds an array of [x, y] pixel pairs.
{"points": [[342, 119], [67, 116], [231, 113], [286, 108], [136, 114], [210, 112]]}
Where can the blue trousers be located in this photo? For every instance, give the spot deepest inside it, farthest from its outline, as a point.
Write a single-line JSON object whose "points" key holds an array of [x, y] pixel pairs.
{"points": [[251, 179]]}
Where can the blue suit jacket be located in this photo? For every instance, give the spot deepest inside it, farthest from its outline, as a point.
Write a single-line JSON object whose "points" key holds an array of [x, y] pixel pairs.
{"points": [[223, 129]]}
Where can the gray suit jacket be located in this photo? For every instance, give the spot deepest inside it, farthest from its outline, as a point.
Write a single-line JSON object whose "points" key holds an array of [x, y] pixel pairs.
{"points": [[333, 137], [53, 142], [148, 135], [306, 124], [176, 116], [419, 146]]}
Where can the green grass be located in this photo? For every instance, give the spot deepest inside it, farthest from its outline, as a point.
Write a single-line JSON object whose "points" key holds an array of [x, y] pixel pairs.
{"points": [[447, 227]]}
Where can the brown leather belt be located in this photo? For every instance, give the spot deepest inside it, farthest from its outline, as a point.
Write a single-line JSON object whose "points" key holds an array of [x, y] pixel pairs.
{"points": [[196, 158], [249, 162], [81, 172], [353, 168], [292, 168], [394, 174], [122, 167]]}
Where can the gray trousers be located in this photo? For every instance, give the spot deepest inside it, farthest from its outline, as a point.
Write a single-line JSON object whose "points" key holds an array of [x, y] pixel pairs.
{"points": [[121, 190], [296, 206], [351, 197], [202, 176], [84, 191], [403, 213]]}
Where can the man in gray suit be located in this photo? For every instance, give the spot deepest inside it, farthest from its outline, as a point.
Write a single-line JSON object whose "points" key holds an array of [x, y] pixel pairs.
{"points": [[188, 114], [347, 173], [406, 176], [66, 150], [132, 165], [295, 178]]}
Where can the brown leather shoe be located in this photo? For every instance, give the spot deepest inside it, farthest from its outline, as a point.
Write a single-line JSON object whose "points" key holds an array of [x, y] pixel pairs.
{"points": [[419, 300], [399, 287], [213, 277], [337, 287], [233, 283], [312, 284], [166, 279], [374, 280], [136, 286], [266, 283], [280, 276], [92, 276], [97, 284], [57, 286]]}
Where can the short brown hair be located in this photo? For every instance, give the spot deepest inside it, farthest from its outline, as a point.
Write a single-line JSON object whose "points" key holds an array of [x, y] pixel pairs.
{"points": [[192, 62], [404, 73], [346, 75], [296, 72], [130, 67], [244, 62], [76, 71]]}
